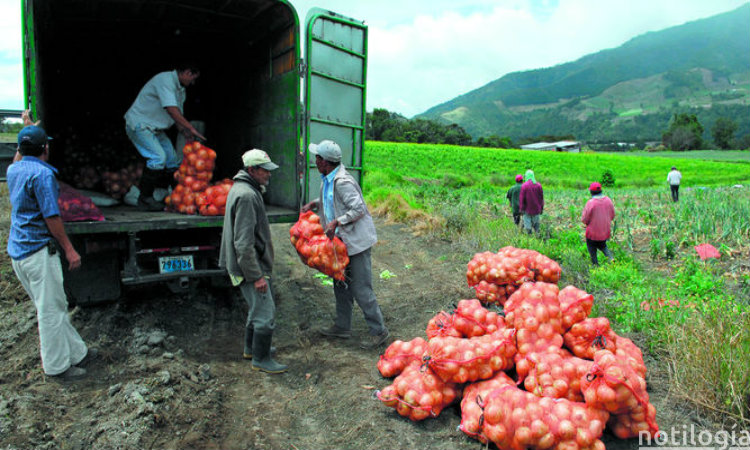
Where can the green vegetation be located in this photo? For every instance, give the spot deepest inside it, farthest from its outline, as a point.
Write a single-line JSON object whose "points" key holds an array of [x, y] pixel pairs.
{"points": [[691, 313]]}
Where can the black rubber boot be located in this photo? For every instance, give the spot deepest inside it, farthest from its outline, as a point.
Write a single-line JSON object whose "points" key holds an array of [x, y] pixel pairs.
{"points": [[248, 352], [262, 355], [146, 200]]}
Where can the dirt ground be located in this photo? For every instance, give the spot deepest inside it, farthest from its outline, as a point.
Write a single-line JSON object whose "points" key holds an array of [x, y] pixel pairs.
{"points": [[172, 375]]}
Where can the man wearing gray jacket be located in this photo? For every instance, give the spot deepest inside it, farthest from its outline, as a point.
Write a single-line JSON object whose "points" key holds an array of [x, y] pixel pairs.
{"points": [[343, 213], [247, 255]]}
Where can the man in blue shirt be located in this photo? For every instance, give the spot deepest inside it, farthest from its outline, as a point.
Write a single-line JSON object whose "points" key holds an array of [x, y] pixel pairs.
{"points": [[34, 222], [157, 107]]}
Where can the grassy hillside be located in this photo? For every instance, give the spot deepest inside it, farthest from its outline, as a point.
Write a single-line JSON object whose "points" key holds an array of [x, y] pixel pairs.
{"points": [[627, 93]]}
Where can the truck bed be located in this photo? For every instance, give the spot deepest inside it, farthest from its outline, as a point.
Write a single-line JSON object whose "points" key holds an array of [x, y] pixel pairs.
{"points": [[124, 218]]}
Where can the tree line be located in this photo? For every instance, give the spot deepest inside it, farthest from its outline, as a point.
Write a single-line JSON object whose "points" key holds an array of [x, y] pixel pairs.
{"points": [[684, 132]]}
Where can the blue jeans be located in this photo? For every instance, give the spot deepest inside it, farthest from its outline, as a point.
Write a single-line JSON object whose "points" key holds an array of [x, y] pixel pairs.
{"points": [[155, 146]]}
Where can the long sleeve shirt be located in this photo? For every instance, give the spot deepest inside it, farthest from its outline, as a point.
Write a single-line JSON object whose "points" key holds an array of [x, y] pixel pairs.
{"points": [[531, 199], [598, 215]]}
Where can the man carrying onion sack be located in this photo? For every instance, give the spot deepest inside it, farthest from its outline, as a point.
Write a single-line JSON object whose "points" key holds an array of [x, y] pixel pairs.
{"points": [[247, 255], [598, 215], [156, 108], [531, 202], [343, 213], [35, 223]]}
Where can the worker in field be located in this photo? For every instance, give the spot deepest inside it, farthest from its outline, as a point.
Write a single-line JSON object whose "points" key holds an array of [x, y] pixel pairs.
{"points": [[35, 225], [247, 255], [343, 213], [513, 196], [598, 215], [531, 202], [157, 107], [673, 178]]}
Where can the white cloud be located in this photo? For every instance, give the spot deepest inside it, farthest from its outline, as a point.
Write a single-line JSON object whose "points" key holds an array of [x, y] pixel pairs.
{"points": [[425, 52]]}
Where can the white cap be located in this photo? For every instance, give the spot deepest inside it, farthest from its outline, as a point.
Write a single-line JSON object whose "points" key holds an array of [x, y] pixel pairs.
{"points": [[328, 150], [256, 157]]}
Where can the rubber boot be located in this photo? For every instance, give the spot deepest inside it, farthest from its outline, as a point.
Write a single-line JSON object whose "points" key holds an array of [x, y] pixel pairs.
{"points": [[146, 200], [248, 352], [262, 355]]}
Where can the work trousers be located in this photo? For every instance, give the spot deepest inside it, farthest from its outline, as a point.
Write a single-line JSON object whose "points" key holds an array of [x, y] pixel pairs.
{"points": [[155, 146], [531, 223], [261, 312], [675, 188], [41, 276], [593, 246], [358, 286]]}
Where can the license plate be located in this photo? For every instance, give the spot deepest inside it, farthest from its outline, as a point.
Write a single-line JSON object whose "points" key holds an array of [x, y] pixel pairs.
{"points": [[182, 263]]}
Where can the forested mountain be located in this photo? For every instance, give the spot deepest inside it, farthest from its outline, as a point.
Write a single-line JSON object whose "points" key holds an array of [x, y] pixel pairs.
{"points": [[628, 93]]}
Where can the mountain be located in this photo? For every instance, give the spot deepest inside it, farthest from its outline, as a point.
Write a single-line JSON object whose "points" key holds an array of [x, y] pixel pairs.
{"points": [[626, 93]]}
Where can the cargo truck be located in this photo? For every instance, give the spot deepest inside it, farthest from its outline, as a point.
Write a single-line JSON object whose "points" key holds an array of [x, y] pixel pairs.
{"points": [[85, 61]]}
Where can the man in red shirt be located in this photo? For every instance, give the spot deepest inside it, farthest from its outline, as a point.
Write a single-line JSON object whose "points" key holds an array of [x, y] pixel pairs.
{"points": [[598, 215]]}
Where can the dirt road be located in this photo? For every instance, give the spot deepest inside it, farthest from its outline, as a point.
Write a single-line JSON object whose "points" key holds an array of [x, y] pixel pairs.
{"points": [[172, 376]]}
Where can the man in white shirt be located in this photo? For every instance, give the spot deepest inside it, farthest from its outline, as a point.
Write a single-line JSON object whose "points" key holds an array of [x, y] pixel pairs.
{"points": [[673, 178], [157, 107]]}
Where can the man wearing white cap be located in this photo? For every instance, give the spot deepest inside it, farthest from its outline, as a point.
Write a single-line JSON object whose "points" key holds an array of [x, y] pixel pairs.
{"points": [[247, 255], [343, 213]]}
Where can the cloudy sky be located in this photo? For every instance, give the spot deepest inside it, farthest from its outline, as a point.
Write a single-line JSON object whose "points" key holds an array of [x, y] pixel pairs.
{"points": [[426, 52]]}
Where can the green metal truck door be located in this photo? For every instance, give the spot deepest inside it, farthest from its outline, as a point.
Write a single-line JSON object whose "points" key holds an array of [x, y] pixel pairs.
{"points": [[335, 82]]}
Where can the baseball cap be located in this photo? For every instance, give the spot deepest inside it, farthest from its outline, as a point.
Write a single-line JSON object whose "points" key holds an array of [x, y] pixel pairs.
{"points": [[519, 177], [256, 157], [328, 150], [595, 187], [33, 135]]}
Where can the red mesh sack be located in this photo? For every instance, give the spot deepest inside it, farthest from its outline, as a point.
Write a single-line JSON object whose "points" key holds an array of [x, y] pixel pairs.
{"points": [[472, 319], [534, 311], [400, 354], [612, 385], [492, 275], [442, 325], [517, 420], [472, 404], [418, 393], [76, 207], [492, 294], [557, 375], [627, 351], [590, 335], [540, 267], [315, 249], [575, 304], [459, 360]]}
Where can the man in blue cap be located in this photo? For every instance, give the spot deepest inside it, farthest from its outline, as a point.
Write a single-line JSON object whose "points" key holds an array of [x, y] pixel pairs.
{"points": [[34, 223]]}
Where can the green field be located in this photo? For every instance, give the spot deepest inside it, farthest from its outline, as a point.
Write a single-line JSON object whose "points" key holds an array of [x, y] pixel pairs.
{"points": [[458, 193], [705, 155]]}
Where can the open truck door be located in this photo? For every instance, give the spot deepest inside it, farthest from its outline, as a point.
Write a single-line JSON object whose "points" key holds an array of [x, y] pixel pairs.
{"points": [[335, 81]]}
